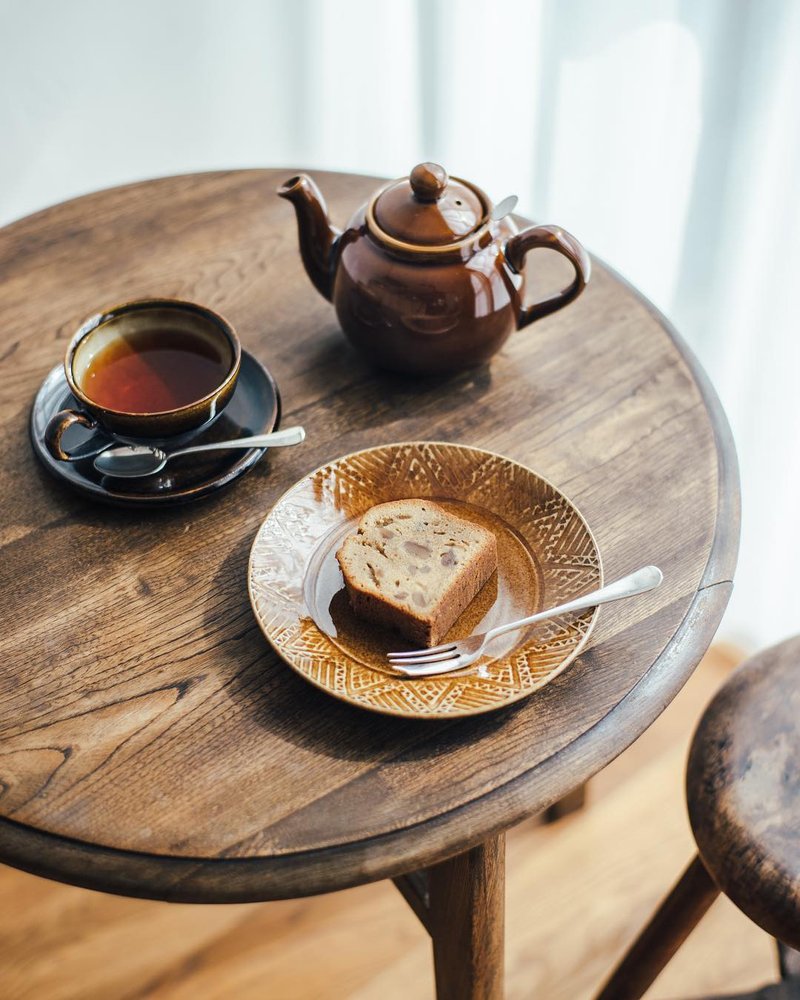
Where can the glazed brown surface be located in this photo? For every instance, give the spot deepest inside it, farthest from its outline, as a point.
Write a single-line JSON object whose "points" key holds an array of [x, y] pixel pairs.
{"points": [[151, 741], [118, 417], [423, 279]]}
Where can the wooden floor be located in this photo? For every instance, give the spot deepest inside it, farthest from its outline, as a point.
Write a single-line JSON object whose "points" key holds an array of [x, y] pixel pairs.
{"points": [[577, 892]]}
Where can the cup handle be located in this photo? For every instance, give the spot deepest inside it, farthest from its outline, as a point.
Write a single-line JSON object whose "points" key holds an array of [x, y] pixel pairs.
{"points": [[551, 238], [58, 424]]}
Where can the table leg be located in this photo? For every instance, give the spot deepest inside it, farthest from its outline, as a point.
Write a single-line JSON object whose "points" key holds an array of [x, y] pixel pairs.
{"points": [[668, 928], [570, 803], [466, 922]]}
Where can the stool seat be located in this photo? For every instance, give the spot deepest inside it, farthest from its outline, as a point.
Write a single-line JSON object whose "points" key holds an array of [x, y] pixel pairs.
{"points": [[743, 790], [743, 795]]}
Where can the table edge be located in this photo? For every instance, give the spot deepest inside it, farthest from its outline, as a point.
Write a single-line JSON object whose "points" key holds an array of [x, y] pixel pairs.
{"points": [[289, 876]]}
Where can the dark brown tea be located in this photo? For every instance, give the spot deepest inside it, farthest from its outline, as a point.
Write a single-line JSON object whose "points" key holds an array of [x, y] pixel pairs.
{"points": [[154, 370]]}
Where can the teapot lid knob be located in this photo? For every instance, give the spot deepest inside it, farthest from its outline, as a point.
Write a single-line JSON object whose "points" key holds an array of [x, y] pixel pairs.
{"points": [[428, 181]]}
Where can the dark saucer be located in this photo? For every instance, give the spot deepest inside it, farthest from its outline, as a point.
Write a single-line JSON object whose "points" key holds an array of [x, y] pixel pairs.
{"points": [[254, 409]]}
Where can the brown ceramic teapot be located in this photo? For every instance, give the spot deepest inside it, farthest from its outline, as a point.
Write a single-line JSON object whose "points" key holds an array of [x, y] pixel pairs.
{"points": [[423, 278]]}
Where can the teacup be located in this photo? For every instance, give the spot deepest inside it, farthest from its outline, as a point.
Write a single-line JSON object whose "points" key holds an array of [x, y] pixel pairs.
{"points": [[150, 370]]}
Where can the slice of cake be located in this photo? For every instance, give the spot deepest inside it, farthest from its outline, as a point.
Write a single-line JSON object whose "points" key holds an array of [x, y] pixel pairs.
{"points": [[415, 567]]}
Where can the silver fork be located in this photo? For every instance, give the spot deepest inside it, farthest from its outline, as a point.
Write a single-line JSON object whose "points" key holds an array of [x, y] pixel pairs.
{"points": [[455, 655]]}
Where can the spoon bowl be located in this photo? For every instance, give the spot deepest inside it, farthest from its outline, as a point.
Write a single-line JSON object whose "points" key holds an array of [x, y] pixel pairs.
{"points": [[504, 208]]}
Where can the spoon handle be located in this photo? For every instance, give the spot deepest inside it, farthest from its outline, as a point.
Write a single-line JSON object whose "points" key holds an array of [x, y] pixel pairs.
{"points": [[277, 439]]}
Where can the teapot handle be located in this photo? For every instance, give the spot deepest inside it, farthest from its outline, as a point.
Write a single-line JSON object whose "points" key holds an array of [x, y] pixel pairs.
{"points": [[552, 238]]}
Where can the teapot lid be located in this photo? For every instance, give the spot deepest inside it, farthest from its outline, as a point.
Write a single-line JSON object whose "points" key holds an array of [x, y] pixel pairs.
{"points": [[429, 209]]}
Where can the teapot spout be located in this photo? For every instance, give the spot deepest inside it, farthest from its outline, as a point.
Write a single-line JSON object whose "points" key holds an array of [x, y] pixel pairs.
{"points": [[318, 237]]}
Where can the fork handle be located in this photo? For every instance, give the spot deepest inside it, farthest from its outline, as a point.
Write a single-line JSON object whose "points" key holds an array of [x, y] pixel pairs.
{"points": [[639, 582]]}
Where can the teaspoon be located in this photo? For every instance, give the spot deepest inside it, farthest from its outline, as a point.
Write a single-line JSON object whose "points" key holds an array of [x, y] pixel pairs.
{"points": [[131, 460], [504, 208]]}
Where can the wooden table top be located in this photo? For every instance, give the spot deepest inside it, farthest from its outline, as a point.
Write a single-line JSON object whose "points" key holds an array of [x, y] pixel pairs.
{"points": [[152, 743]]}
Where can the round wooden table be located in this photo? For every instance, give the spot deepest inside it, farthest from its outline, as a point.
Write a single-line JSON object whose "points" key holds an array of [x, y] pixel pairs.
{"points": [[153, 744]]}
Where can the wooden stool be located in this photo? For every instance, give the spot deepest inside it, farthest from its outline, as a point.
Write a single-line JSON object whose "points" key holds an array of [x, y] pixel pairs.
{"points": [[743, 795]]}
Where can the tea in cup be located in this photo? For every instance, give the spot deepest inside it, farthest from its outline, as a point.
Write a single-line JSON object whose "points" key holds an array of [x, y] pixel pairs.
{"points": [[151, 370]]}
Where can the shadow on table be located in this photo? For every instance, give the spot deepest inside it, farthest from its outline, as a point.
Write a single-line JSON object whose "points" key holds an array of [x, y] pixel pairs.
{"points": [[359, 396], [296, 712]]}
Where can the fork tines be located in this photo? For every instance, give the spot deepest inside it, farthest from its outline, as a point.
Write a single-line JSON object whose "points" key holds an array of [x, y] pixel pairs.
{"points": [[445, 647]]}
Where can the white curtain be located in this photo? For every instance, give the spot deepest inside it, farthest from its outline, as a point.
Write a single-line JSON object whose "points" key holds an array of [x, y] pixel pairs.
{"points": [[665, 133]]}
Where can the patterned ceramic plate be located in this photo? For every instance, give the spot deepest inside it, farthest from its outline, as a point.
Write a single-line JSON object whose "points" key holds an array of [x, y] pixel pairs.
{"points": [[546, 555]]}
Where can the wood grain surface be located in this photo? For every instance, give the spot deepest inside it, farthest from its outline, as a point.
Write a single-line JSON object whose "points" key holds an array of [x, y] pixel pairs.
{"points": [[151, 742], [672, 923], [742, 798], [578, 891], [743, 790], [467, 923]]}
